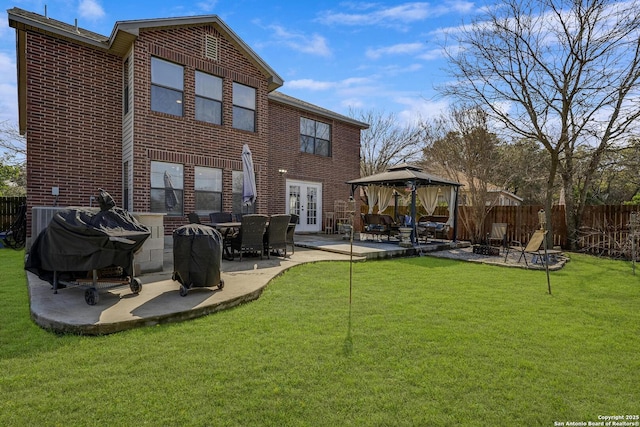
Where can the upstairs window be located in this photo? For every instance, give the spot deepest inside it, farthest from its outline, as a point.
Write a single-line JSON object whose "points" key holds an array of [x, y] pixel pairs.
{"points": [[315, 137], [244, 107], [208, 98], [167, 86]]}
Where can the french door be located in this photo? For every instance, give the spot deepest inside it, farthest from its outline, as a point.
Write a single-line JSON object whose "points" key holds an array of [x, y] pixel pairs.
{"points": [[305, 200]]}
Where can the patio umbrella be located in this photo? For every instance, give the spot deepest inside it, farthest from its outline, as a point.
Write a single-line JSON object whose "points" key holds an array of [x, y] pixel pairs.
{"points": [[248, 177], [170, 196]]}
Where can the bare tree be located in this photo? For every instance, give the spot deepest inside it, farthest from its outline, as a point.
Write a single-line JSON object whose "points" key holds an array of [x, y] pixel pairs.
{"points": [[564, 73], [616, 180], [522, 170], [462, 147], [386, 142]]}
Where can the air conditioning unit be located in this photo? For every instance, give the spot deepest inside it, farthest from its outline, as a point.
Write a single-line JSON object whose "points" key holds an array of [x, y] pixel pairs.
{"points": [[40, 218]]}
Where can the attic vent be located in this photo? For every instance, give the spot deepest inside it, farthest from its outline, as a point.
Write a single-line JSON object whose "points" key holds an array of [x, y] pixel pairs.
{"points": [[211, 47]]}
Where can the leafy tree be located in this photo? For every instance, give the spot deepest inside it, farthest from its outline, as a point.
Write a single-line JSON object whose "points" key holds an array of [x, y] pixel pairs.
{"points": [[12, 161], [564, 73], [12, 181]]}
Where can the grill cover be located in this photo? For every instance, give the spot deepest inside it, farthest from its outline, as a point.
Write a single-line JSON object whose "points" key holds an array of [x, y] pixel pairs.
{"points": [[83, 239], [197, 255]]}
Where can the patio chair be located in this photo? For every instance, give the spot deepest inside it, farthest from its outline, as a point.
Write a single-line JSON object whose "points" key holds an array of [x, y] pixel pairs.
{"points": [[276, 236], [291, 229], [250, 238], [498, 235], [194, 218], [536, 243], [217, 217]]}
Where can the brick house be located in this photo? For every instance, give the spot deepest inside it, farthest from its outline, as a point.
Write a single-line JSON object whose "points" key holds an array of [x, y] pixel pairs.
{"points": [[157, 114]]}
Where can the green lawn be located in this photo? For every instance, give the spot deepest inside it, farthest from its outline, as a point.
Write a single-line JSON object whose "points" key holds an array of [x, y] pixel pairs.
{"points": [[428, 342]]}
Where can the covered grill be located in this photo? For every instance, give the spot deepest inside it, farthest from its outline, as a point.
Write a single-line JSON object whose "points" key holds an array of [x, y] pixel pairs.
{"points": [[89, 246]]}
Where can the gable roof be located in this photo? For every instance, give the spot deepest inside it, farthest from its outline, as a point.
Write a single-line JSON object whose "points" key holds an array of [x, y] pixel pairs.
{"points": [[125, 32], [281, 98], [398, 176], [118, 43], [491, 188]]}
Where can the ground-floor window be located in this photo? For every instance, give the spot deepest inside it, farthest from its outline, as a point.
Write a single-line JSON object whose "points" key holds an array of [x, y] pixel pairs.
{"points": [[238, 207], [208, 190], [167, 188]]}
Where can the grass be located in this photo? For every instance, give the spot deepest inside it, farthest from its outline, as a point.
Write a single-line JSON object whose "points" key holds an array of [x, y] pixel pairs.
{"points": [[427, 342]]}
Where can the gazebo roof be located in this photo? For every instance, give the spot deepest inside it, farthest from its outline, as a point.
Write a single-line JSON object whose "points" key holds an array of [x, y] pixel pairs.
{"points": [[399, 175]]}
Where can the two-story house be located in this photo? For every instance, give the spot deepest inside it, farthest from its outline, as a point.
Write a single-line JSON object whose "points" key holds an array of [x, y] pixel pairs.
{"points": [[157, 114]]}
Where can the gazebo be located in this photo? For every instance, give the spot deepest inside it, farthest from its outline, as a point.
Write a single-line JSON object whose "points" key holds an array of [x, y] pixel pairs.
{"points": [[423, 186]]}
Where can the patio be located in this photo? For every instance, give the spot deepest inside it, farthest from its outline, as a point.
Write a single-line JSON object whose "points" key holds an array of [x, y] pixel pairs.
{"points": [[160, 300]]}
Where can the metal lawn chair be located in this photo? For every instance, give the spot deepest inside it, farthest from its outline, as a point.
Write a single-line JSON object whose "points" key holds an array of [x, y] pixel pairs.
{"points": [[536, 243], [498, 235]]}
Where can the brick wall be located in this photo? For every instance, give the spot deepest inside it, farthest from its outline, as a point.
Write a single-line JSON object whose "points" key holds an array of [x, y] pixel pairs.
{"points": [[74, 108], [332, 172], [73, 122], [184, 140]]}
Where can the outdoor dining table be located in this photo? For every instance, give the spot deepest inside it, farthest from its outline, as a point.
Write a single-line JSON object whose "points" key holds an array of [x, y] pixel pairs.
{"points": [[227, 229]]}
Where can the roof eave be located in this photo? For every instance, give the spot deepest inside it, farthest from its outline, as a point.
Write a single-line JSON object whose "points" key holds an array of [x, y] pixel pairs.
{"points": [[317, 110]]}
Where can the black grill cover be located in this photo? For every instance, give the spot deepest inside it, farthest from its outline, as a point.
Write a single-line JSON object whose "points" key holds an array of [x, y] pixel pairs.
{"points": [[84, 239], [197, 255]]}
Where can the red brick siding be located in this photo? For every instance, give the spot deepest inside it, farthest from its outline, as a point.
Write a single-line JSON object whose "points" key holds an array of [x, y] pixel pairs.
{"points": [[74, 104], [284, 153], [74, 108], [183, 139]]}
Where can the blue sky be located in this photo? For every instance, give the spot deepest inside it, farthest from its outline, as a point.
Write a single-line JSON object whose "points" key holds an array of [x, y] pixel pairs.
{"points": [[382, 55]]}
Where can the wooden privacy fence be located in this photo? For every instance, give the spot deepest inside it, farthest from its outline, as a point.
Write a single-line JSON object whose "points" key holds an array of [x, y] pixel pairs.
{"points": [[606, 231], [8, 209], [605, 228]]}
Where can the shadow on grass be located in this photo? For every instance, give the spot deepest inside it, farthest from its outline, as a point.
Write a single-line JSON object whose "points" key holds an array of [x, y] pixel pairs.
{"points": [[347, 348]]}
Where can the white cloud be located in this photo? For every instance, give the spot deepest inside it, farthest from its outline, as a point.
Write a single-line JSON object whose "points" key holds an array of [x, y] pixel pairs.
{"points": [[8, 89], [406, 13], [342, 85], [418, 108], [90, 9], [309, 84], [396, 49], [313, 44], [207, 6], [355, 103]]}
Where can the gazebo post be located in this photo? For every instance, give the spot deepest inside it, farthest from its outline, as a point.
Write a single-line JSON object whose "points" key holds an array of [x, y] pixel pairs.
{"points": [[414, 232], [455, 216]]}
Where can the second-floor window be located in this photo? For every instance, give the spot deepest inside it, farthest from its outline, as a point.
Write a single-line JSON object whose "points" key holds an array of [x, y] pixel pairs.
{"points": [[244, 107], [167, 86], [208, 98], [315, 137]]}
